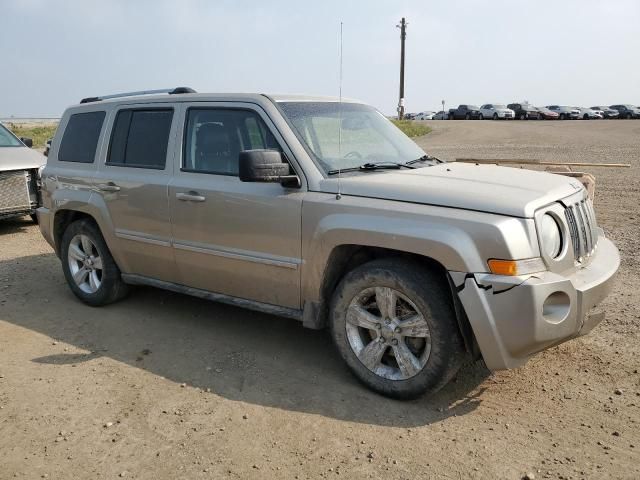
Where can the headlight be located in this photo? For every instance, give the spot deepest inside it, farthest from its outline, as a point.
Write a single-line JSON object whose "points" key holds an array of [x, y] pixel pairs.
{"points": [[550, 236]]}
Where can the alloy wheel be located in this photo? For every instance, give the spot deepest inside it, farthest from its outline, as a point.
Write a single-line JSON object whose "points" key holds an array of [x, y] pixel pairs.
{"points": [[85, 263], [388, 333]]}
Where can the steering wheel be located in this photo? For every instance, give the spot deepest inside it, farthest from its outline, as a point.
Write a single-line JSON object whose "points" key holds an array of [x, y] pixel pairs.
{"points": [[353, 153]]}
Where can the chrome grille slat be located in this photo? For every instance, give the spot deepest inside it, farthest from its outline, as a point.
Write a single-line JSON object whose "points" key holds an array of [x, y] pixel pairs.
{"points": [[573, 231], [581, 219], [587, 228], [582, 234]]}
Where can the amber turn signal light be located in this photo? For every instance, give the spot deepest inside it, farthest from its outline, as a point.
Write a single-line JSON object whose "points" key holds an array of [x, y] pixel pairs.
{"points": [[516, 267]]}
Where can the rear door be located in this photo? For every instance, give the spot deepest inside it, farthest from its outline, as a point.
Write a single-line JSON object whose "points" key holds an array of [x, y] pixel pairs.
{"points": [[133, 184], [231, 237]]}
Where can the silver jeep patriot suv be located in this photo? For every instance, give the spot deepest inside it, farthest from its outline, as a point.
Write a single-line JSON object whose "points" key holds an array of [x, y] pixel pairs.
{"points": [[323, 211]]}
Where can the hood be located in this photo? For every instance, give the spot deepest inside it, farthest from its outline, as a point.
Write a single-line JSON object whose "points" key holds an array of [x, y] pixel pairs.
{"points": [[489, 188], [20, 158]]}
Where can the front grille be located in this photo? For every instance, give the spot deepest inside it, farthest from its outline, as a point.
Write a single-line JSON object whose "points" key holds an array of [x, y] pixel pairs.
{"points": [[583, 229], [14, 192]]}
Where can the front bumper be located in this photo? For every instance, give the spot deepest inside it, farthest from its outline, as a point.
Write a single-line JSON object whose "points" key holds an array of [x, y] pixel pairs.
{"points": [[513, 318]]}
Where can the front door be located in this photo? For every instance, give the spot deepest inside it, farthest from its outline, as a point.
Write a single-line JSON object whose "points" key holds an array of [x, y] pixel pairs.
{"points": [[230, 237]]}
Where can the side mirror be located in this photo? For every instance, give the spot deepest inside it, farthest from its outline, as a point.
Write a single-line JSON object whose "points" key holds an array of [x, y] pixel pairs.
{"points": [[27, 141], [265, 166]]}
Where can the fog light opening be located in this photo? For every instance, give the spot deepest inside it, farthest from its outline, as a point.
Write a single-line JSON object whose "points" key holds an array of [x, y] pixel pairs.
{"points": [[556, 307]]}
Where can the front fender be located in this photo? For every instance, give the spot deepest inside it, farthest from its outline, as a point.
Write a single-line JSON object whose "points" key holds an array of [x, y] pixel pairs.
{"points": [[460, 240]]}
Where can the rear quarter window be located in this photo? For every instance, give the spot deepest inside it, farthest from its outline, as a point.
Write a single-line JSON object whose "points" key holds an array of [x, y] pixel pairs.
{"points": [[80, 138]]}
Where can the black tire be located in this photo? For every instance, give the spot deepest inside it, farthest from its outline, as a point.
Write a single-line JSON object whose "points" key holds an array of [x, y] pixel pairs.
{"points": [[430, 293], [112, 288], [450, 117], [495, 116], [467, 116], [523, 116], [34, 218], [629, 116], [481, 117], [563, 116]]}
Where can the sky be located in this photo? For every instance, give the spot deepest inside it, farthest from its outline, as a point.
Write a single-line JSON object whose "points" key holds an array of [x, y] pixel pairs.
{"points": [[575, 52]]}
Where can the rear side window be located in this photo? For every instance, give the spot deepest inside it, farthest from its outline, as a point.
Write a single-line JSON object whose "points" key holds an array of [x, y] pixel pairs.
{"points": [[80, 138], [140, 138]]}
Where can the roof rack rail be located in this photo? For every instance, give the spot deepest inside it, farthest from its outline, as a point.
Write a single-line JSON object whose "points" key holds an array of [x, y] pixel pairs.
{"points": [[170, 91]]}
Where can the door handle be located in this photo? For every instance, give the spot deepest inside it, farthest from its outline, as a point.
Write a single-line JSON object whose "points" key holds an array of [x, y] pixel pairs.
{"points": [[109, 187], [190, 197]]}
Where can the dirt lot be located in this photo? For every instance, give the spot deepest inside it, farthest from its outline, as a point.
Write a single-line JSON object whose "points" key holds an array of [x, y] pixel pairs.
{"points": [[164, 386]]}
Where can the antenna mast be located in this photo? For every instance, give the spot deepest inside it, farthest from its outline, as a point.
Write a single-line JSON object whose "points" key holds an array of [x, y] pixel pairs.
{"points": [[403, 35], [339, 194]]}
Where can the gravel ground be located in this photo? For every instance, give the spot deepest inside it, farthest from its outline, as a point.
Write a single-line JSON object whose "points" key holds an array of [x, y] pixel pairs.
{"points": [[164, 386]]}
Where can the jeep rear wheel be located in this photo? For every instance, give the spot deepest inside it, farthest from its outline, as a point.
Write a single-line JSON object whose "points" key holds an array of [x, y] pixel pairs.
{"points": [[394, 325], [88, 266]]}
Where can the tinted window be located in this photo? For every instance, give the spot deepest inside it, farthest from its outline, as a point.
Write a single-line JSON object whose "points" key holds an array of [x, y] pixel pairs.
{"points": [[214, 139], [80, 138], [140, 138]]}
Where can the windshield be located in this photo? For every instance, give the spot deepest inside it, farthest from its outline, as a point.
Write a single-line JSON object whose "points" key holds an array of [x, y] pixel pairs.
{"points": [[7, 139], [347, 135]]}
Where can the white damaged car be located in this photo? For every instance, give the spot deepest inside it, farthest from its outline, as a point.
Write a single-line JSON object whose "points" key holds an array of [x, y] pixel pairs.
{"points": [[19, 176]]}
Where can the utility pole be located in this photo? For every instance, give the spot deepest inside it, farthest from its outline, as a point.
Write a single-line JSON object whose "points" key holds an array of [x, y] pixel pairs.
{"points": [[403, 36]]}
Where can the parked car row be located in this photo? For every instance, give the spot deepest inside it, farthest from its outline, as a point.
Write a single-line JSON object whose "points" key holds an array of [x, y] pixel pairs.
{"points": [[526, 111]]}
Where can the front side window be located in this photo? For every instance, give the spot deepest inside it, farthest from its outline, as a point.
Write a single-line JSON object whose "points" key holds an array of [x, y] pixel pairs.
{"points": [[214, 138], [140, 138], [8, 139], [347, 135], [80, 138]]}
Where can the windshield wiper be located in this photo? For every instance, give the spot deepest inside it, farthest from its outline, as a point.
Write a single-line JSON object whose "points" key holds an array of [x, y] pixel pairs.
{"points": [[371, 166], [424, 158]]}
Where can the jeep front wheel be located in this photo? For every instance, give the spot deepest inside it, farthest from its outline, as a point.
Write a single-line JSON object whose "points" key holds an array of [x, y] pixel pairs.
{"points": [[88, 266], [394, 325]]}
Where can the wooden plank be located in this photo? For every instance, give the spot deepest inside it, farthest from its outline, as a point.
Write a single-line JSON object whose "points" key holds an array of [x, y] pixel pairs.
{"points": [[522, 161]]}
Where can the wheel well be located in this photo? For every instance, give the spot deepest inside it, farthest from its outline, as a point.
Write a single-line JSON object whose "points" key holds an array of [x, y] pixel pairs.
{"points": [[62, 220], [345, 258]]}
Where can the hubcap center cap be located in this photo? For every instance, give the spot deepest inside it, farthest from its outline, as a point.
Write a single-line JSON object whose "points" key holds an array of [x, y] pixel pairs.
{"points": [[388, 331]]}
